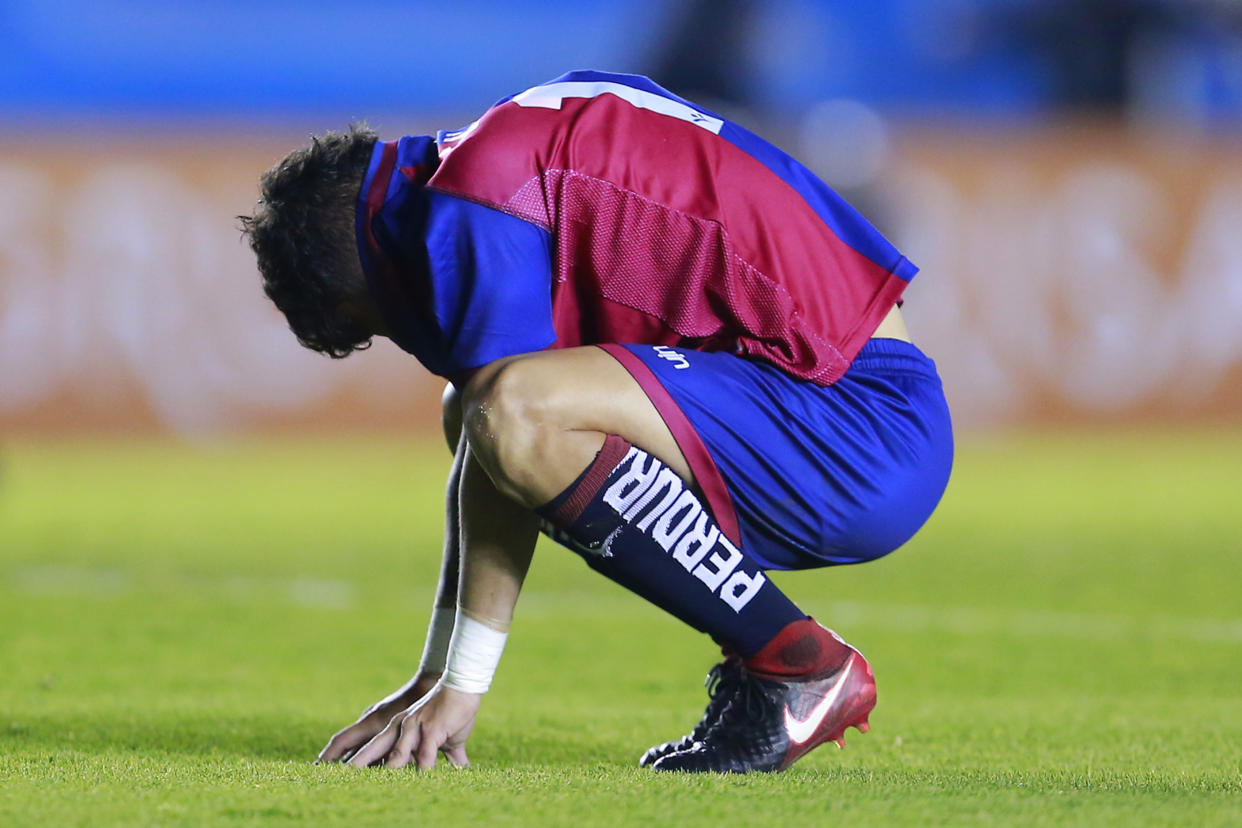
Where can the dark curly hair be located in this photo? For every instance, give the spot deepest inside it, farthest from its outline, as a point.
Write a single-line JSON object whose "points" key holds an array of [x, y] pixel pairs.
{"points": [[302, 232]]}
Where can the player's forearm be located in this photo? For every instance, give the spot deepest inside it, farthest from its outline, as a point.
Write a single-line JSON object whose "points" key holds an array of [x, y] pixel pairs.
{"points": [[450, 565], [497, 540], [450, 413], [440, 630]]}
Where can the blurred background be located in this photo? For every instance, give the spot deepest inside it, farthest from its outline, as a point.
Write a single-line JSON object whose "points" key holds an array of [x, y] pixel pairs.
{"points": [[217, 547], [1067, 173]]}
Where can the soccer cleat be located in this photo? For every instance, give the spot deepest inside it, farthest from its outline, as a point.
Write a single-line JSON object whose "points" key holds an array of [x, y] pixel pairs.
{"points": [[721, 683], [769, 724]]}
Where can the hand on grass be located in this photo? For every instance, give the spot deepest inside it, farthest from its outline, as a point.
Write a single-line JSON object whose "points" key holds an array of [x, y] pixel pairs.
{"points": [[440, 721], [344, 743]]}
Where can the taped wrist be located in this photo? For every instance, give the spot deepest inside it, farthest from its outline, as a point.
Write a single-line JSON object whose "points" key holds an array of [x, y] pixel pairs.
{"points": [[473, 655]]}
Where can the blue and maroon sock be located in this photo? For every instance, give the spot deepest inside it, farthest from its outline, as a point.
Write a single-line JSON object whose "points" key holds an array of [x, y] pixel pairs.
{"points": [[637, 523]]}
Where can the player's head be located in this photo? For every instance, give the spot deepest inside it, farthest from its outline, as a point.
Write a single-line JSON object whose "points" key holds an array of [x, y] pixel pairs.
{"points": [[302, 232]]}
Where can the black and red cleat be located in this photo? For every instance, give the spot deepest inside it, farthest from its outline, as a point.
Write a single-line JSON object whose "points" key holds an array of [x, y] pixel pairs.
{"points": [[771, 723], [721, 683]]}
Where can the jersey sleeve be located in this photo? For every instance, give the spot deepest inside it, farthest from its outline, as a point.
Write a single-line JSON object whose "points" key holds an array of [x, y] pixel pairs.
{"points": [[490, 279]]}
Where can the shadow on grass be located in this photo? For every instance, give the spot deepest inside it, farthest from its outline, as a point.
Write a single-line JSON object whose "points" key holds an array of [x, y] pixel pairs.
{"points": [[268, 737], [559, 763], [259, 737]]}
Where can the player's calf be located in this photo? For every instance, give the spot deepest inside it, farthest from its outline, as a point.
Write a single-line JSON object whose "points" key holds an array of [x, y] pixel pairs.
{"points": [[636, 522]]}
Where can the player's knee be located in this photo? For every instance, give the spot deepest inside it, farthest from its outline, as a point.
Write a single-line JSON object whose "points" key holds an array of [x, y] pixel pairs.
{"points": [[505, 418], [450, 415]]}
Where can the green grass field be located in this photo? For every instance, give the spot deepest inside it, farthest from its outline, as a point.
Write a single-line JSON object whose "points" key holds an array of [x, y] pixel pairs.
{"points": [[183, 627]]}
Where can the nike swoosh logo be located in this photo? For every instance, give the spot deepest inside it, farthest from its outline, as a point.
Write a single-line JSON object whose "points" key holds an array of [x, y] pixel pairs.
{"points": [[800, 731]]}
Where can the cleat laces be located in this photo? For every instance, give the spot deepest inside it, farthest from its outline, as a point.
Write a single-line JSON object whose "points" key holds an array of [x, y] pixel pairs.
{"points": [[749, 706]]}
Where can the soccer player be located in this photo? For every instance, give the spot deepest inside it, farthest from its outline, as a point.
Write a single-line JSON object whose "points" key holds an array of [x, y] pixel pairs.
{"points": [[669, 346]]}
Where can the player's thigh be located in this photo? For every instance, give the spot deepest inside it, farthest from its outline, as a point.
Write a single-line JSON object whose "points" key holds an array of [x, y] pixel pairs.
{"points": [[815, 475], [577, 389]]}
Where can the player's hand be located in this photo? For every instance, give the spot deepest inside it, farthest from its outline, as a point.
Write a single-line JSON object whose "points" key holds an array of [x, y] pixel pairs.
{"points": [[344, 743], [440, 721]]}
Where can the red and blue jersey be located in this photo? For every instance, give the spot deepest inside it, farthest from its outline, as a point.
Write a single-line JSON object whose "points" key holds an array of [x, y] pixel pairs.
{"points": [[601, 208]]}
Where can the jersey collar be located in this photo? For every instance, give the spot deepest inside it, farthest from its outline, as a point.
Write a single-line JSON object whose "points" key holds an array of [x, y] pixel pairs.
{"points": [[389, 218]]}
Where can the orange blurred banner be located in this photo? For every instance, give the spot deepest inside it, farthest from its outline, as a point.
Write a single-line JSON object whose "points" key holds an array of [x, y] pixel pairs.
{"points": [[1072, 274], [1078, 273]]}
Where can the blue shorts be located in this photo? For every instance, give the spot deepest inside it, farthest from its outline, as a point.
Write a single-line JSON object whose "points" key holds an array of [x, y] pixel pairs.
{"points": [[804, 475]]}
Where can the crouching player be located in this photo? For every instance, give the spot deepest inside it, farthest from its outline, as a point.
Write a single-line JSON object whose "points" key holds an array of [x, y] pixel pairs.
{"points": [[670, 347]]}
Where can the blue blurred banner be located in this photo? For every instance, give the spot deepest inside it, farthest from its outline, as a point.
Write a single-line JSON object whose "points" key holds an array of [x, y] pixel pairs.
{"points": [[153, 58]]}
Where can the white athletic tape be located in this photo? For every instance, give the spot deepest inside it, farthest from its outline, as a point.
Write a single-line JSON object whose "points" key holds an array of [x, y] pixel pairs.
{"points": [[439, 633], [474, 653]]}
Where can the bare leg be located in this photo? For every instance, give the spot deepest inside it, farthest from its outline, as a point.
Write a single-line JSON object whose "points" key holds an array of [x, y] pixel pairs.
{"points": [[536, 421]]}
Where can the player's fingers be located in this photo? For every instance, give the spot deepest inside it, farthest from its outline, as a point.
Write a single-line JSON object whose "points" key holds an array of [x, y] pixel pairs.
{"points": [[457, 756], [332, 751], [340, 744], [347, 741], [428, 749], [403, 750], [378, 746]]}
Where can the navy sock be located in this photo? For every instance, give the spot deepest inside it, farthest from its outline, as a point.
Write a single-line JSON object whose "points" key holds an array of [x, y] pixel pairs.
{"points": [[636, 522]]}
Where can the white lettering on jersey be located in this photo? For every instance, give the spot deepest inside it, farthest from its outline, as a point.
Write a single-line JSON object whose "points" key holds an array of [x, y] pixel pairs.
{"points": [[452, 140], [551, 95]]}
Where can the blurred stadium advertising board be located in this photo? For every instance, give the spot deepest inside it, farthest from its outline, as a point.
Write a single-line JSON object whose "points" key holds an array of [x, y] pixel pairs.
{"points": [[1069, 274]]}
